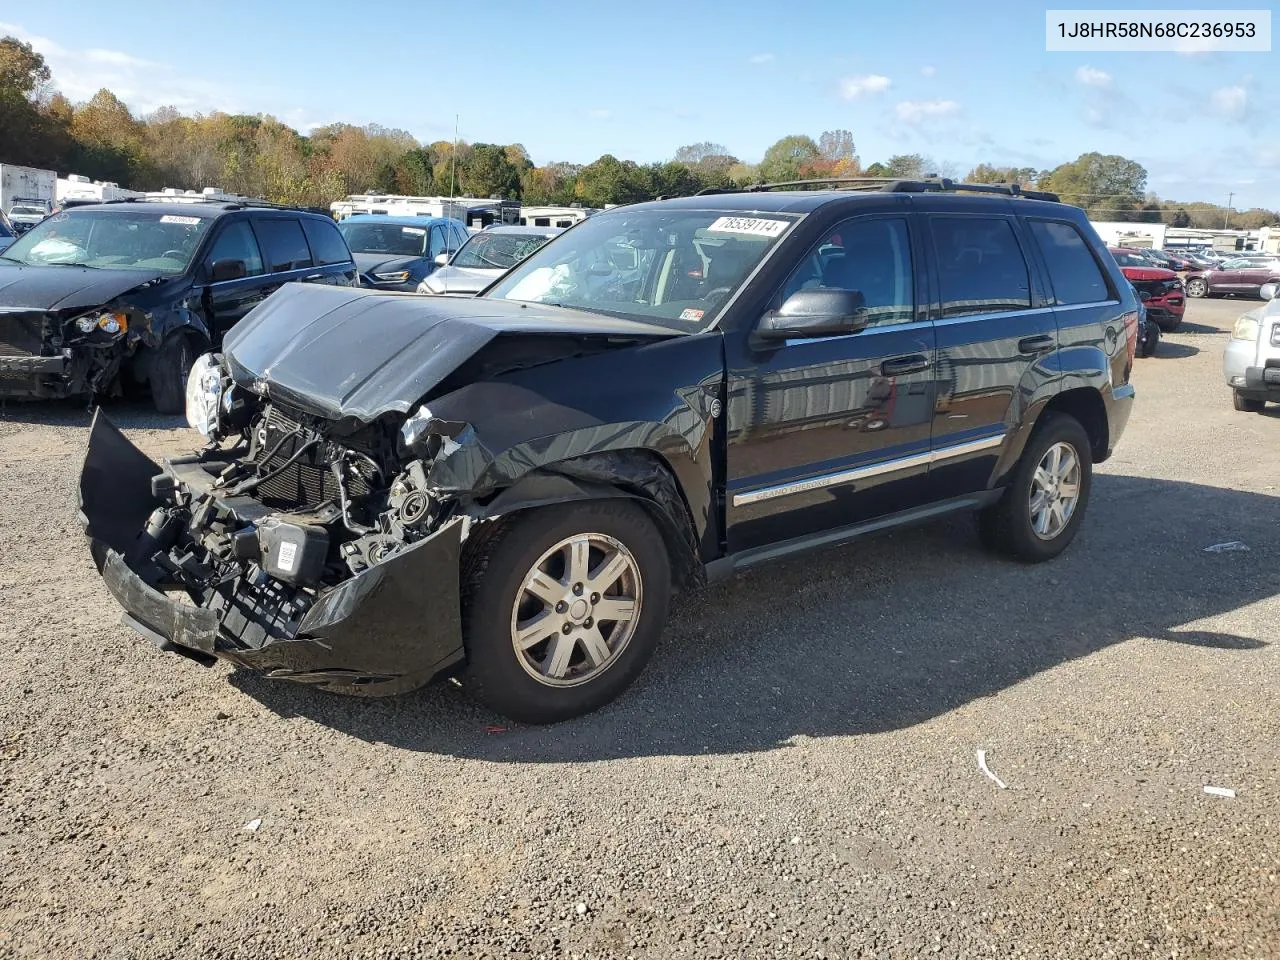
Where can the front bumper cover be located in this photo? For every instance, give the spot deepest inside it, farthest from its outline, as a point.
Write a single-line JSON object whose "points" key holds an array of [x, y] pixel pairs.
{"points": [[390, 629], [79, 369]]}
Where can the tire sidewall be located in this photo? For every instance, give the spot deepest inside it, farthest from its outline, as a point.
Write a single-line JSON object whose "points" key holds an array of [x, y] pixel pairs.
{"points": [[1058, 429], [493, 673], [1197, 288], [169, 373]]}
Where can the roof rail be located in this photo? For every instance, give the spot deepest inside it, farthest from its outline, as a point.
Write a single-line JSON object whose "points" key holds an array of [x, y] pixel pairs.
{"points": [[894, 185], [226, 203]]}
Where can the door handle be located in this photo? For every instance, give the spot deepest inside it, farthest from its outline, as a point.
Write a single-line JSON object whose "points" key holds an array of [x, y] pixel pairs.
{"points": [[1041, 344], [899, 366], [314, 276]]}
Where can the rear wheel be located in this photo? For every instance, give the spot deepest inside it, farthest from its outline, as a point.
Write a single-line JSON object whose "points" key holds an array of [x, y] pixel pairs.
{"points": [[1247, 404], [563, 608], [1044, 503], [1196, 287], [1150, 339], [168, 376]]}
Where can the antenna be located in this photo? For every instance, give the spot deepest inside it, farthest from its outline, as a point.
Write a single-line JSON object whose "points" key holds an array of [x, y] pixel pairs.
{"points": [[453, 168]]}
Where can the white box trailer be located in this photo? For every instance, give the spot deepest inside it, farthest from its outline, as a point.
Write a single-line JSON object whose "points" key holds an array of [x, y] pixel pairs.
{"points": [[472, 211], [30, 189], [77, 187]]}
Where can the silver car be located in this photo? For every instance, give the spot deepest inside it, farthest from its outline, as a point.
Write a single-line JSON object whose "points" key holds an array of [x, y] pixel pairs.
{"points": [[1251, 362], [482, 259]]}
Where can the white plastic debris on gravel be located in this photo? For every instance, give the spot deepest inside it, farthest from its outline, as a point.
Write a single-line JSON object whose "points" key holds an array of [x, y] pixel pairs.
{"points": [[982, 765]]}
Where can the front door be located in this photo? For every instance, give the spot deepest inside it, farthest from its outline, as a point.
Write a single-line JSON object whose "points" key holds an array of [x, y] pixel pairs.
{"points": [[824, 433], [229, 300], [997, 337]]}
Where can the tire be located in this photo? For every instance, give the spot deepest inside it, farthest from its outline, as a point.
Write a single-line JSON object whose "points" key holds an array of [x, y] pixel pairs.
{"points": [[1196, 287], [168, 374], [1247, 404], [577, 675], [1007, 527], [1150, 339]]}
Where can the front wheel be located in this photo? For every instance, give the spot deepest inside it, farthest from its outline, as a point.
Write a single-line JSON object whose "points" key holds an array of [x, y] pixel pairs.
{"points": [[1197, 287], [563, 608], [1040, 512], [1247, 404], [168, 376]]}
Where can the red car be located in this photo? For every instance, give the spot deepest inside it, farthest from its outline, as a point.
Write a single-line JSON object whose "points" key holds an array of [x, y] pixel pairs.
{"points": [[1244, 275], [1160, 289]]}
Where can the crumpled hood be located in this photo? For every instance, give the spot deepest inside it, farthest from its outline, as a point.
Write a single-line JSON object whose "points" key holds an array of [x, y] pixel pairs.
{"points": [[372, 263], [342, 352], [64, 288], [461, 279]]}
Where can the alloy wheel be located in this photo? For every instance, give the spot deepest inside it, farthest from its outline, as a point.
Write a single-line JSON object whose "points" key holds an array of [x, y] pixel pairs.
{"points": [[576, 610], [1055, 491]]}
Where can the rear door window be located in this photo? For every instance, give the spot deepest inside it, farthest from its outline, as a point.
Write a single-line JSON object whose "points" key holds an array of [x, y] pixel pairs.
{"points": [[283, 243], [1073, 271], [327, 245], [438, 243], [237, 242], [981, 268]]}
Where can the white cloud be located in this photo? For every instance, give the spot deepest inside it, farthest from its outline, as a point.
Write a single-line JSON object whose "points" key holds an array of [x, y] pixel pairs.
{"points": [[1230, 102], [600, 114], [916, 111], [928, 71], [851, 88], [1092, 77], [762, 58], [142, 84]]}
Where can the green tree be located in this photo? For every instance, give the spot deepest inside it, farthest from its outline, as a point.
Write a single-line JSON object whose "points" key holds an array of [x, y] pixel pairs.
{"points": [[1180, 219], [909, 166], [784, 160], [1110, 186], [610, 180], [877, 169], [489, 172], [673, 179]]}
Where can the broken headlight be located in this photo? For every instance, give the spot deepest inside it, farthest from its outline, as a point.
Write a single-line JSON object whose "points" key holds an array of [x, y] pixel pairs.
{"points": [[204, 395], [112, 323]]}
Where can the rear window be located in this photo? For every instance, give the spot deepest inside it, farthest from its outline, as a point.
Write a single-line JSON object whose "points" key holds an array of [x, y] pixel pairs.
{"points": [[1073, 271], [283, 243], [327, 245], [980, 266]]}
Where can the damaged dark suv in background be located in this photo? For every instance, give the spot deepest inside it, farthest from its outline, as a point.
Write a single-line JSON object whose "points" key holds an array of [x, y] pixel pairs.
{"points": [[398, 488], [102, 297]]}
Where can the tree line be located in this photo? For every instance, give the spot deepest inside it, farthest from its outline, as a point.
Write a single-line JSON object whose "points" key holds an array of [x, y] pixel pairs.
{"points": [[260, 156]]}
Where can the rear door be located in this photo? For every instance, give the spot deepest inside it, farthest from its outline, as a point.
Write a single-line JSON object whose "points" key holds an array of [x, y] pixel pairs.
{"points": [[828, 432], [332, 258], [284, 250], [996, 337]]}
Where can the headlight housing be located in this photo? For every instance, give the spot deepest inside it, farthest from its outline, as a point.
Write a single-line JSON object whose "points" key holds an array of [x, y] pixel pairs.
{"points": [[204, 395], [399, 276], [107, 322], [1246, 328]]}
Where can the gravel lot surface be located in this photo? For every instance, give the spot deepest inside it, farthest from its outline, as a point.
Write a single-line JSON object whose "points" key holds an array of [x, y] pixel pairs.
{"points": [[794, 775]]}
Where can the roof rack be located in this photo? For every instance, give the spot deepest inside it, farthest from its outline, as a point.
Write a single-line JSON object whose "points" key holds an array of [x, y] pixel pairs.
{"points": [[895, 185], [226, 203]]}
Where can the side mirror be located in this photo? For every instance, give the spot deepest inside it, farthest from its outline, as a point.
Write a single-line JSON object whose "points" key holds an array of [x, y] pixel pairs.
{"points": [[815, 313], [227, 270], [441, 259], [1268, 291]]}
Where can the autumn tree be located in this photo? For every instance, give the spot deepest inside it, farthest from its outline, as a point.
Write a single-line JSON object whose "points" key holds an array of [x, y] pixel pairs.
{"points": [[783, 160]]}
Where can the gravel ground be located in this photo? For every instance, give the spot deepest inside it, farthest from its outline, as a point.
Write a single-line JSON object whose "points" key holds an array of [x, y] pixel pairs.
{"points": [[794, 775]]}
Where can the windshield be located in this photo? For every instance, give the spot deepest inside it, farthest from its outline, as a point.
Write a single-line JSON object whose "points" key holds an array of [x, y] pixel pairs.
{"points": [[19, 209], [497, 251], [389, 238], [116, 239], [1131, 260], [675, 267]]}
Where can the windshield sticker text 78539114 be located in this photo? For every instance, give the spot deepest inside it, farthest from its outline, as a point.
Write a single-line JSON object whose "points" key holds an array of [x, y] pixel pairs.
{"points": [[754, 226]]}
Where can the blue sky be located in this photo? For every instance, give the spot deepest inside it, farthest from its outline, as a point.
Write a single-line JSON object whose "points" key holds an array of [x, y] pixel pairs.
{"points": [[571, 80]]}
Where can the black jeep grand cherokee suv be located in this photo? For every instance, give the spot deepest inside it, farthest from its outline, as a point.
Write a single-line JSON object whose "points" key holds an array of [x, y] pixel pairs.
{"points": [[510, 487]]}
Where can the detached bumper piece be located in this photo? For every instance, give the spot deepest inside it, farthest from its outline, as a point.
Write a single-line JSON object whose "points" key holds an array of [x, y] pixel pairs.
{"points": [[390, 629]]}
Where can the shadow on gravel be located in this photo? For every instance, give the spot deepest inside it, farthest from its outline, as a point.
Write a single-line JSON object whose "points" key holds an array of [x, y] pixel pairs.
{"points": [[1167, 350], [875, 636], [129, 413]]}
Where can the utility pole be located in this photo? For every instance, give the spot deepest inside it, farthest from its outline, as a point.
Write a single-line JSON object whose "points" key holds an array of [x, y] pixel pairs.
{"points": [[1226, 214], [453, 167]]}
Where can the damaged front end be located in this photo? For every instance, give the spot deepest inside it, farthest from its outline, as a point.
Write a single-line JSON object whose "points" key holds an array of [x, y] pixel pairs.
{"points": [[57, 354], [312, 550]]}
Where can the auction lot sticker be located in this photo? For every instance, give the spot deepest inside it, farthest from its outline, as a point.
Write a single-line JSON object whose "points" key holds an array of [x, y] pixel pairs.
{"points": [[185, 221], [752, 226]]}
